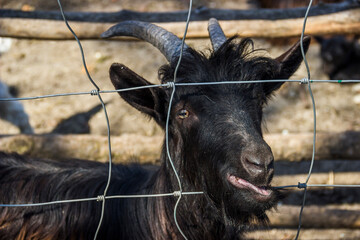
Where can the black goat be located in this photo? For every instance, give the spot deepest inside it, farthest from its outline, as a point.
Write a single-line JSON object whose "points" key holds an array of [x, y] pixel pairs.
{"points": [[341, 57], [215, 140]]}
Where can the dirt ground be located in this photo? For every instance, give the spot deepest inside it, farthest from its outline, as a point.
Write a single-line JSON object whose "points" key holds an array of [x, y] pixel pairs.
{"points": [[48, 67], [51, 67]]}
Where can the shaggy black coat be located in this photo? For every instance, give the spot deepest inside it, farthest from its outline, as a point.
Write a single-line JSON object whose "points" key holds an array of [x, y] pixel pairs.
{"points": [[211, 129]]}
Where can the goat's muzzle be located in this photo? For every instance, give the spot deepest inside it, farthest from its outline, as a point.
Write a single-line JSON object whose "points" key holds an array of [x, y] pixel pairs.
{"points": [[257, 164]]}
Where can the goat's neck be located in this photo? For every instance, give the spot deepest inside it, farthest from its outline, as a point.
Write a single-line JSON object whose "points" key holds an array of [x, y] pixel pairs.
{"points": [[194, 215]]}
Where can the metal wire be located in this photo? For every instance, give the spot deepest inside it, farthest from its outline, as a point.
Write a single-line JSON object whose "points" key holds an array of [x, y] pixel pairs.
{"points": [[314, 116], [175, 193], [95, 92], [99, 198], [173, 85], [106, 117], [304, 185], [334, 185]]}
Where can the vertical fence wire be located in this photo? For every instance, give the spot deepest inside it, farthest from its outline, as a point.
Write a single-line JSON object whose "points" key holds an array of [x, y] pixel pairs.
{"points": [[102, 197], [172, 85], [314, 116]]}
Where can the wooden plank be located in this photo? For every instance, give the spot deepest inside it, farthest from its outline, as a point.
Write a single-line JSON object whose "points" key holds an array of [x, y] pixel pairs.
{"points": [[199, 14], [339, 178], [298, 147], [292, 147], [290, 233], [316, 216], [127, 147], [345, 22]]}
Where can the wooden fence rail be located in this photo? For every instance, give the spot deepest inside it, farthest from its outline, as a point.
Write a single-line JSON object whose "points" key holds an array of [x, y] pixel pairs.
{"points": [[291, 147], [340, 18], [317, 216]]}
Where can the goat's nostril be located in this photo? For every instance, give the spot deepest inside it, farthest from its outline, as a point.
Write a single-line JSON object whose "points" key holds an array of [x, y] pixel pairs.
{"points": [[255, 164], [252, 164], [251, 161]]}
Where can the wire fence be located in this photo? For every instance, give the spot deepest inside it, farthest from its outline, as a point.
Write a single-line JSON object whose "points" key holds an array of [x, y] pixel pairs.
{"points": [[179, 193]]}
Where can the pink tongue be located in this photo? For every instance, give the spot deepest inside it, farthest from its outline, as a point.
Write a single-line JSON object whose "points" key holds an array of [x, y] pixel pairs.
{"points": [[241, 183]]}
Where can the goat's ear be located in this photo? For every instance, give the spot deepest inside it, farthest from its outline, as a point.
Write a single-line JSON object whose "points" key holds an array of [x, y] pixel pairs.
{"points": [[292, 58], [288, 62], [148, 100]]}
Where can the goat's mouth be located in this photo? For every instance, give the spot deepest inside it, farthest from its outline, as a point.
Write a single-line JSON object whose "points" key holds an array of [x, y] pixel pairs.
{"points": [[262, 193]]}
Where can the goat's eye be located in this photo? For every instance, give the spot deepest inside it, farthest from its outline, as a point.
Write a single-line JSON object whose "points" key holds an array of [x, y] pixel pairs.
{"points": [[182, 114]]}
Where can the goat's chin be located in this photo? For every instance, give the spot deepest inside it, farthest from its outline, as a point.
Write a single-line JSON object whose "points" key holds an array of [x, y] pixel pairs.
{"points": [[244, 201], [242, 205]]}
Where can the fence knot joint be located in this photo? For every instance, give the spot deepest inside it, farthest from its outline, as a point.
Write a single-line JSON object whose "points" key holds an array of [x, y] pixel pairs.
{"points": [[170, 84], [100, 198], [302, 185], [177, 193], [94, 92], [304, 81]]}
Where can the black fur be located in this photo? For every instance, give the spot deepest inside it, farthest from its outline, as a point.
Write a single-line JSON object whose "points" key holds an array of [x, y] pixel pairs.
{"points": [[340, 57], [219, 136]]}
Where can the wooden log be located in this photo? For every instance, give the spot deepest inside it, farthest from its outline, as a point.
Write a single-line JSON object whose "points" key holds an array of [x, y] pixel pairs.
{"points": [[134, 148], [313, 233], [298, 147], [199, 14], [316, 216], [339, 178], [345, 22], [292, 147]]}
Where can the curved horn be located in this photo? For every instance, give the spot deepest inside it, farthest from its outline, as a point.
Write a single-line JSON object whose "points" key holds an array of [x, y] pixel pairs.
{"points": [[216, 34], [168, 44]]}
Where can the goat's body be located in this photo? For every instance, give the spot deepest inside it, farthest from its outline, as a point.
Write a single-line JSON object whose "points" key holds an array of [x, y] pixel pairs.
{"points": [[24, 180]]}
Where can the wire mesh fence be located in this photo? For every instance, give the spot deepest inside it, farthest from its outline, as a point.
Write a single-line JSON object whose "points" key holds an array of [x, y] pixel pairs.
{"points": [[174, 85]]}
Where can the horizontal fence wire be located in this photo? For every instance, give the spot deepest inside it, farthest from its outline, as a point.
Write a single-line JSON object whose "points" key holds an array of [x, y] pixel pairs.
{"points": [[97, 92], [303, 185], [171, 84], [100, 198]]}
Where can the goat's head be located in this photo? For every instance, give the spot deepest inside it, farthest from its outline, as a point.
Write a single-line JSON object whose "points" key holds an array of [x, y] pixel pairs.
{"points": [[215, 130]]}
